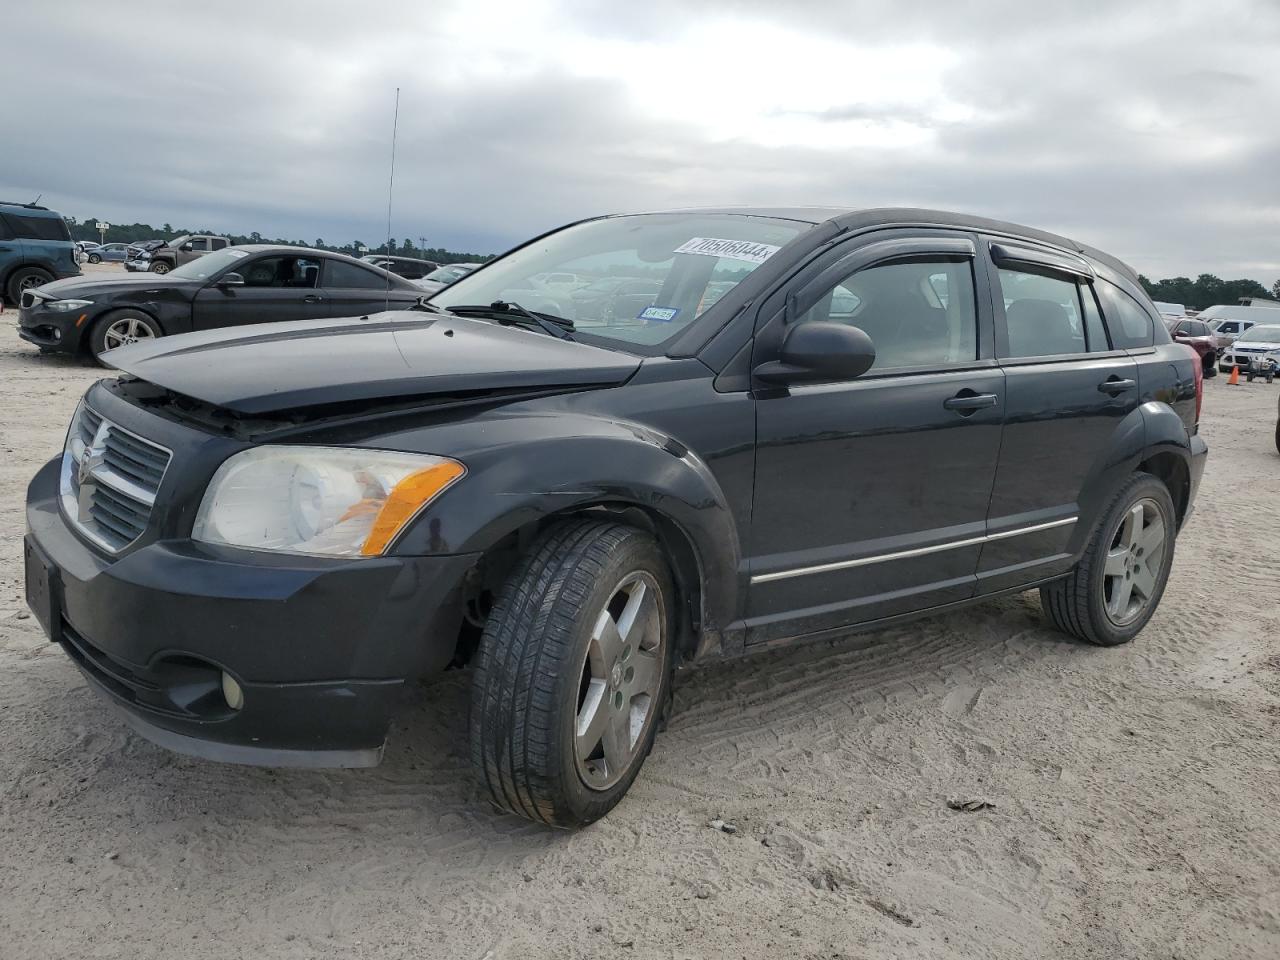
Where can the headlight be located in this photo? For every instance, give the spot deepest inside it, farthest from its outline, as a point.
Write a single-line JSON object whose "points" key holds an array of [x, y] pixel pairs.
{"points": [[326, 501], [144, 255], [62, 306]]}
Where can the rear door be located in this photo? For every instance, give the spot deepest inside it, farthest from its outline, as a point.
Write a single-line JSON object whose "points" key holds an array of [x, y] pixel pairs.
{"points": [[276, 287], [352, 290], [1069, 388], [871, 495]]}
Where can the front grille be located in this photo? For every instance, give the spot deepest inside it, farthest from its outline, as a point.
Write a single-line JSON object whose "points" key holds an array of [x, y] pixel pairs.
{"points": [[110, 478]]}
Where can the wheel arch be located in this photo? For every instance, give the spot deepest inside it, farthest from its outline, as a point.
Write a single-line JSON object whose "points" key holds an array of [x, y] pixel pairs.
{"points": [[511, 495], [86, 339]]}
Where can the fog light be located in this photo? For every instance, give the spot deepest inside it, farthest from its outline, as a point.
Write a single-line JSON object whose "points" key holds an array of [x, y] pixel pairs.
{"points": [[231, 690]]}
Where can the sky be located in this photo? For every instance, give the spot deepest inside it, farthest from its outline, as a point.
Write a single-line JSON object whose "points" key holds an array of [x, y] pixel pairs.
{"points": [[1149, 129]]}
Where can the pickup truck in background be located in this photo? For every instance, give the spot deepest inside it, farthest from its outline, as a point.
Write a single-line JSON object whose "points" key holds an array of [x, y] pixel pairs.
{"points": [[175, 253]]}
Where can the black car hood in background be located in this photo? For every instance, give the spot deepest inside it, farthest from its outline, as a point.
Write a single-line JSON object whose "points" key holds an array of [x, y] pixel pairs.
{"points": [[272, 367]]}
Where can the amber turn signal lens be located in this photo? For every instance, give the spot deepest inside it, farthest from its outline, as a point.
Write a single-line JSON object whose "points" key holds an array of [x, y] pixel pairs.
{"points": [[405, 499]]}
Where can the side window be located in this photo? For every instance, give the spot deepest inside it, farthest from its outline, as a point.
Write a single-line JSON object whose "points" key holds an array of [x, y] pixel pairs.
{"points": [[1229, 326], [1044, 314], [1129, 324], [39, 228], [293, 272], [917, 314], [347, 276], [218, 243], [198, 243]]}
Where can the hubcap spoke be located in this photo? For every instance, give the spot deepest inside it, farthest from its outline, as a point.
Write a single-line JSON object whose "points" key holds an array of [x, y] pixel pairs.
{"points": [[1117, 561], [606, 638], [1131, 527], [643, 672], [1144, 580], [617, 740], [592, 718], [1152, 537], [1121, 591], [636, 614]]}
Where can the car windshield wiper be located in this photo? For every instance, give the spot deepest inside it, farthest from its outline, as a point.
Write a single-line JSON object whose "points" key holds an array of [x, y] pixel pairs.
{"points": [[507, 312], [422, 304]]}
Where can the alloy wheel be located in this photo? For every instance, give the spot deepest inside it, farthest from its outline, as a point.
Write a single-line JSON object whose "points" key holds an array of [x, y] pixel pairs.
{"points": [[621, 676], [126, 330], [1134, 561]]}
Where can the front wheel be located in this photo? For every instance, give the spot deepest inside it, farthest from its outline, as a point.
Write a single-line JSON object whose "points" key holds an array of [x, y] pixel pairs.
{"points": [[1115, 588], [160, 267], [573, 673], [120, 328]]}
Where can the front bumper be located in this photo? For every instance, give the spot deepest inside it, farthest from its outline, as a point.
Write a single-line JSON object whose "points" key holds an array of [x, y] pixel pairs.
{"points": [[51, 329], [137, 266], [321, 647]]}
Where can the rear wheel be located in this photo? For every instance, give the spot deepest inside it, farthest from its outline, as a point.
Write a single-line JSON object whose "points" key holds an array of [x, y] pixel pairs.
{"points": [[120, 328], [572, 673], [24, 278], [1115, 588], [1210, 367], [94, 258]]}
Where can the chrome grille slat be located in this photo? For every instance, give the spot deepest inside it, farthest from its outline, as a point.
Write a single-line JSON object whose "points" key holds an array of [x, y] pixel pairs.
{"points": [[110, 478]]}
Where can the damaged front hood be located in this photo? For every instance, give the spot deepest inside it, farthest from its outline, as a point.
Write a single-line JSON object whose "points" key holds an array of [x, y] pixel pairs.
{"points": [[282, 366]]}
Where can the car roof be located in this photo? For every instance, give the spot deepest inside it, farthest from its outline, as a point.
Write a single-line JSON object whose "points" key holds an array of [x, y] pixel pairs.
{"points": [[847, 219], [29, 209]]}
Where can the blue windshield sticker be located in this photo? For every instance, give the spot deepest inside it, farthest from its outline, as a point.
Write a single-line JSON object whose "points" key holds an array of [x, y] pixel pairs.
{"points": [[659, 314]]}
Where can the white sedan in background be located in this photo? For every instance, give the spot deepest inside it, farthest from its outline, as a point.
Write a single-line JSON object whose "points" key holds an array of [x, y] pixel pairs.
{"points": [[441, 278]]}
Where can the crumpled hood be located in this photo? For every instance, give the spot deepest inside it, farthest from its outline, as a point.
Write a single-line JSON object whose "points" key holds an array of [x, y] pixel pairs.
{"points": [[279, 366]]}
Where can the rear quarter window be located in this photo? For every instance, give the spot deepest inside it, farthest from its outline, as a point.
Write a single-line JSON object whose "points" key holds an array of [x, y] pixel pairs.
{"points": [[1127, 320]]}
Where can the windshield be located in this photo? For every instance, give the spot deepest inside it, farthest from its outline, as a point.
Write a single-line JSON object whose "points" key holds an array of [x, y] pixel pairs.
{"points": [[638, 279], [202, 268], [1260, 334]]}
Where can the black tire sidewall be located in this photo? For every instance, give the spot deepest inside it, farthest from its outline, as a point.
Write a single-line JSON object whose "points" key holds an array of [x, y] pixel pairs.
{"points": [[640, 552], [1142, 487]]}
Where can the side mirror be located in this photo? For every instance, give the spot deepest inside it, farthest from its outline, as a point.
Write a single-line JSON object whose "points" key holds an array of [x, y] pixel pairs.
{"points": [[819, 352], [186, 247], [231, 280]]}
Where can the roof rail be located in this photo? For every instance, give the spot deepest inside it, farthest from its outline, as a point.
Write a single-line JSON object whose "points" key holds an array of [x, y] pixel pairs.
{"points": [[29, 206]]}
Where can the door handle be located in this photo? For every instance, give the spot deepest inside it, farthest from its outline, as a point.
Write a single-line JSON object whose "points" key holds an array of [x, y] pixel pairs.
{"points": [[312, 298], [966, 402], [1114, 385]]}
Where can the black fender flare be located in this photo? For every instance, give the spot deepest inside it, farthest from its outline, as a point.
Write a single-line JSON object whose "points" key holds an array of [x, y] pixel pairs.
{"points": [[524, 470], [1148, 433]]}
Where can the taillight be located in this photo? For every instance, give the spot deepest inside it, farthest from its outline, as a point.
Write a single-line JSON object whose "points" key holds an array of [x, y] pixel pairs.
{"points": [[1198, 366]]}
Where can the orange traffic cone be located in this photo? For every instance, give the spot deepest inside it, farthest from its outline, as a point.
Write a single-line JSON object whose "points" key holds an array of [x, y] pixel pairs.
{"points": [[1235, 376]]}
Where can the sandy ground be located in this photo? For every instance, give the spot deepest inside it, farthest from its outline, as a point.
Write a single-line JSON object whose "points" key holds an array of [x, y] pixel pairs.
{"points": [[1136, 790]]}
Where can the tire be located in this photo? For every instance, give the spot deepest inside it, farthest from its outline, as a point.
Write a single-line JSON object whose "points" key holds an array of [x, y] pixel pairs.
{"points": [[1081, 603], [25, 277], [1278, 436], [117, 327], [1210, 368], [160, 268], [94, 258], [546, 665]]}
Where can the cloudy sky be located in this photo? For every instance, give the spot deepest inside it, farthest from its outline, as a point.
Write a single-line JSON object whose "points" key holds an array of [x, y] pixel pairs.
{"points": [[1148, 128]]}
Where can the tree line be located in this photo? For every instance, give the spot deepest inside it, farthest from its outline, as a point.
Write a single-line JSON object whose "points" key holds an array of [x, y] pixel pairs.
{"points": [[1206, 290], [137, 232]]}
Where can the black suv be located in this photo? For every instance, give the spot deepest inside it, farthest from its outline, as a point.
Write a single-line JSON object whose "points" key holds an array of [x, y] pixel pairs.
{"points": [[35, 248], [256, 537]]}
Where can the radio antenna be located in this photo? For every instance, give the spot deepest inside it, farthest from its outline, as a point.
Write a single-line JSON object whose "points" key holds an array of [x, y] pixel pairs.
{"points": [[391, 182]]}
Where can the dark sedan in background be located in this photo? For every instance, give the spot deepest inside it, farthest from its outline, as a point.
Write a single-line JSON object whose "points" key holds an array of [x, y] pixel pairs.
{"points": [[238, 285]]}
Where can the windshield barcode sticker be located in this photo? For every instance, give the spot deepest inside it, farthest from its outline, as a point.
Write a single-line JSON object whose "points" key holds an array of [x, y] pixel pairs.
{"points": [[731, 249]]}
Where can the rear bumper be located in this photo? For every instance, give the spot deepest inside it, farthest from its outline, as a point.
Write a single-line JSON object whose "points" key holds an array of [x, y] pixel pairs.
{"points": [[320, 648]]}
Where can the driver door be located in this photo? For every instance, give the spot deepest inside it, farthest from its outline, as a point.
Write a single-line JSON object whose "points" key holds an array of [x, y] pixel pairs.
{"points": [[871, 495], [276, 287]]}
